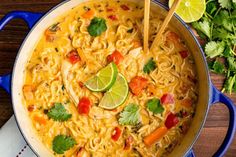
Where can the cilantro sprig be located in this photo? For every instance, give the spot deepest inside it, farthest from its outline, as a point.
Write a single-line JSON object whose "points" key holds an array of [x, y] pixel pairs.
{"points": [[130, 115], [154, 105], [149, 66], [62, 143], [58, 113], [97, 26], [218, 28]]}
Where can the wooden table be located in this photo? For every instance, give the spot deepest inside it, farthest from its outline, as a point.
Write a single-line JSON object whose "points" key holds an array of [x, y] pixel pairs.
{"points": [[10, 40]]}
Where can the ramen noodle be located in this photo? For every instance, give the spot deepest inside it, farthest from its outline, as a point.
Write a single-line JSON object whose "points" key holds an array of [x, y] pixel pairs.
{"points": [[162, 84]]}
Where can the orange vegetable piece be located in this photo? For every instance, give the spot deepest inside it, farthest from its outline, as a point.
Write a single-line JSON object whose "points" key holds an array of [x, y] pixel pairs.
{"points": [[155, 136], [187, 102], [137, 84], [89, 14], [40, 119]]}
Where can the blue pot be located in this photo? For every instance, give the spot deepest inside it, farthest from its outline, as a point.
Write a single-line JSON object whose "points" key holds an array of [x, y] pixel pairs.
{"points": [[208, 94]]}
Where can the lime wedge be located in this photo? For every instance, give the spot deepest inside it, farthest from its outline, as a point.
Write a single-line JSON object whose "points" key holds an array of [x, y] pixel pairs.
{"points": [[190, 10], [116, 95], [104, 79]]}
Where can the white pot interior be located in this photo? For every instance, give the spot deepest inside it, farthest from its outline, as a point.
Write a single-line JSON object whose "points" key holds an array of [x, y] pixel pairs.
{"points": [[30, 42]]}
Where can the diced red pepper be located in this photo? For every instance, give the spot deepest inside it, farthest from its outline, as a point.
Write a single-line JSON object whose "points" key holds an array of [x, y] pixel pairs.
{"points": [[137, 84], [167, 99], [124, 7], [84, 105], [184, 54], [116, 134], [113, 17], [81, 84], [115, 57], [73, 57], [171, 121], [110, 9]]}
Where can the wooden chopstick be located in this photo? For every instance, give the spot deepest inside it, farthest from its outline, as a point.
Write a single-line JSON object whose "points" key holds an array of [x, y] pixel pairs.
{"points": [[146, 25], [165, 23]]}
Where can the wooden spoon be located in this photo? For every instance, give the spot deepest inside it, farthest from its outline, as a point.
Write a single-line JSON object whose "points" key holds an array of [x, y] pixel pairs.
{"points": [[146, 25], [165, 23]]}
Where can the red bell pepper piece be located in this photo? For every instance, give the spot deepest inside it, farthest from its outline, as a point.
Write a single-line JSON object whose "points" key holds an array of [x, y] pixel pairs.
{"points": [[73, 57], [116, 134], [171, 121], [115, 57], [167, 99], [137, 84], [84, 106]]}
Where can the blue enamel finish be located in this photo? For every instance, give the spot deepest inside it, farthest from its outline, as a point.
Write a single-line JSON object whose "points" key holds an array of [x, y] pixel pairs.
{"points": [[217, 96], [5, 82], [29, 17], [190, 154]]}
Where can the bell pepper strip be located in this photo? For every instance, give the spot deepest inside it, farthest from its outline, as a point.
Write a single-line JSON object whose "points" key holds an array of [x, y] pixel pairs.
{"points": [[137, 84], [113, 17], [155, 136], [167, 99], [115, 57], [116, 134], [73, 57], [171, 121], [84, 106], [124, 7], [183, 54], [89, 14]]}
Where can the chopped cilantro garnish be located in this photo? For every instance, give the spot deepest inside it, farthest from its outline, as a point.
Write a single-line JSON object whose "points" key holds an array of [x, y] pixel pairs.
{"points": [[97, 26], [58, 113], [149, 66], [62, 143], [154, 105], [130, 115], [218, 28]]}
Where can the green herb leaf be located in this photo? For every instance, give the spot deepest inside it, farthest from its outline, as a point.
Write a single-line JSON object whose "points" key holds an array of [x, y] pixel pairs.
{"points": [[149, 66], [62, 143], [211, 8], [130, 115], [232, 64], [97, 26], [213, 49], [229, 84], [58, 113], [223, 19], [203, 27], [218, 67], [154, 105], [54, 27], [225, 4]]}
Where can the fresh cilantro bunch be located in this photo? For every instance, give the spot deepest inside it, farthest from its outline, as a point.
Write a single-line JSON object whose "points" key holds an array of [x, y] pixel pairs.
{"points": [[218, 28]]}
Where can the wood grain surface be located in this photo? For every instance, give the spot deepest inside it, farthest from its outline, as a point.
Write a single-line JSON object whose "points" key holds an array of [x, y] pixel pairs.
{"points": [[10, 40]]}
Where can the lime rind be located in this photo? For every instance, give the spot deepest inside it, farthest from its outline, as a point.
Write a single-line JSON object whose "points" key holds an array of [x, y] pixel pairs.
{"points": [[104, 79], [190, 10], [116, 95]]}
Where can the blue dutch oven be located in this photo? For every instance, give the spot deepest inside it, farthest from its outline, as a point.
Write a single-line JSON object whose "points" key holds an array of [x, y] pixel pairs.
{"points": [[37, 22]]}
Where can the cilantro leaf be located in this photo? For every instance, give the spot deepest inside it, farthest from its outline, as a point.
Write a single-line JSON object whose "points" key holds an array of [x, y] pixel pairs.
{"points": [[232, 64], [203, 27], [155, 106], [149, 66], [228, 51], [211, 7], [58, 113], [223, 19], [225, 4], [62, 143], [213, 49], [97, 26], [218, 67], [222, 34], [130, 115], [229, 84]]}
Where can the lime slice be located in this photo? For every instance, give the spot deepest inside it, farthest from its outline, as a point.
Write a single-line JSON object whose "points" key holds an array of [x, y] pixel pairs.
{"points": [[190, 10], [104, 79], [116, 95]]}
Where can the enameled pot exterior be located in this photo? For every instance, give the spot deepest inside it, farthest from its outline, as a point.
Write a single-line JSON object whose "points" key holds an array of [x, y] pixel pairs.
{"points": [[208, 94]]}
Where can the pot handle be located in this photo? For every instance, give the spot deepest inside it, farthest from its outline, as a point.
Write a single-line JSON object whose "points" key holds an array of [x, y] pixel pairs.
{"points": [[216, 97], [30, 18]]}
